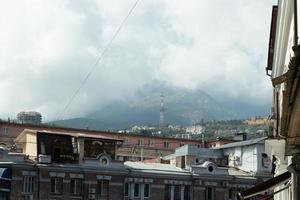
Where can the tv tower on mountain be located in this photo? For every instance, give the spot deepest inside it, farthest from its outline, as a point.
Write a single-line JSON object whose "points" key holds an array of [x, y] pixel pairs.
{"points": [[162, 111]]}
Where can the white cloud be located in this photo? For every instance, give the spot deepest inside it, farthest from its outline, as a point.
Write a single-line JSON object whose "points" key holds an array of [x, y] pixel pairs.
{"points": [[47, 47]]}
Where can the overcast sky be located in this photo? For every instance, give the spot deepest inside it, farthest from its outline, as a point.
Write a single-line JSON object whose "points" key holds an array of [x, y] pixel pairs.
{"points": [[48, 47]]}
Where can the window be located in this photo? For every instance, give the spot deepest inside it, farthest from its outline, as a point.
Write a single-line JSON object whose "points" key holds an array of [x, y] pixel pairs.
{"points": [[166, 145], [146, 191], [265, 161], [102, 189], [127, 191], [5, 130], [141, 142], [168, 192], [126, 141], [76, 186], [209, 193], [91, 192], [136, 190], [186, 192], [177, 192], [151, 143], [28, 184], [92, 148], [4, 195], [56, 185], [230, 195]]}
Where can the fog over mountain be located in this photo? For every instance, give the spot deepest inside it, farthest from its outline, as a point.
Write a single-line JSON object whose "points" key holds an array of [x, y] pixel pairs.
{"points": [[48, 48], [182, 107]]}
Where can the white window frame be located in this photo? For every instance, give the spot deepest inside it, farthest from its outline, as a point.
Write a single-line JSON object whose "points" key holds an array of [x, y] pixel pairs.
{"points": [[166, 145], [28, 184], [143, 191], [5, 130], [131, 191], [56, 190], [172, 191], [141, 142], [76, 182], [100, 194], [139, 191], [212, 193]]}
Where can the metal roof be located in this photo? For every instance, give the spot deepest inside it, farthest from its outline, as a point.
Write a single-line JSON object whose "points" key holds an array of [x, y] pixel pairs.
{"points": [[72, 134], [242, 143], [195, 151]]}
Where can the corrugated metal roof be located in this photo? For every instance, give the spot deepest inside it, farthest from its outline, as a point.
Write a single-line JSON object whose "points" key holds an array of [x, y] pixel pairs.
{"points": [[242, 143]]}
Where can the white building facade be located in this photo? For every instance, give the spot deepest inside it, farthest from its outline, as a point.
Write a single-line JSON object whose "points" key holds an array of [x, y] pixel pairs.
{"points": [[283, 144]]}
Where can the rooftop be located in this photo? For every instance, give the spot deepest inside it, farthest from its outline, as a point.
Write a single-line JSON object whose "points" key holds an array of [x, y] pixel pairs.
{"points": [[242, 143], [72, 134], [195, 151], [68, 129]]}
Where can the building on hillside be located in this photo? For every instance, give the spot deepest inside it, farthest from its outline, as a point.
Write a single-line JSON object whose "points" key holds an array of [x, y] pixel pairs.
{"points": [[29, 118], [82, 166], [195, 129], [283, 144], [258, 121], [134, 148]]}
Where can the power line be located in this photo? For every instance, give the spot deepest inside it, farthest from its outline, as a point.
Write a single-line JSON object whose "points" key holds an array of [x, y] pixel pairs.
{"points": [[100, 57]]}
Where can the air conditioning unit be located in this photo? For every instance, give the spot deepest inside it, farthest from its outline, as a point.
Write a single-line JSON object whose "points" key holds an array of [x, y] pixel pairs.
{"points": [[46, 159]]}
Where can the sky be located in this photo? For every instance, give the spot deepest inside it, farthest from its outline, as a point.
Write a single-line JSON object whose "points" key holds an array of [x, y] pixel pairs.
{"points": [[49, 46]]}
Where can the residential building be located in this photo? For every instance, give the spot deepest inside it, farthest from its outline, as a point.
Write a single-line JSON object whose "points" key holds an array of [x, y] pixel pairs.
{"points": [[283, 144], [249, 156], [195, 129], [190, 155], [134, 148], [68, 165], [29, 118]]}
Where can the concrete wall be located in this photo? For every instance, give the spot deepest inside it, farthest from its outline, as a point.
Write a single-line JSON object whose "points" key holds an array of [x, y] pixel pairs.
{"points": [[31, 145], [260, 167], [250, 158], [190, 160]]}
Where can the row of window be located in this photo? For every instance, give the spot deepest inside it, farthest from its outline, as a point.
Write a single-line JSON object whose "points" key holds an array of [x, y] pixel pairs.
{"points": [[101, 190], [136, 191], [76, 187], [150, 143]]}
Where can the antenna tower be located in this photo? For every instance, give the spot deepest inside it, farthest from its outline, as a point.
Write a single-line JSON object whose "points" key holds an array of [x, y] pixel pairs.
{"points": [[162, 111]]}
